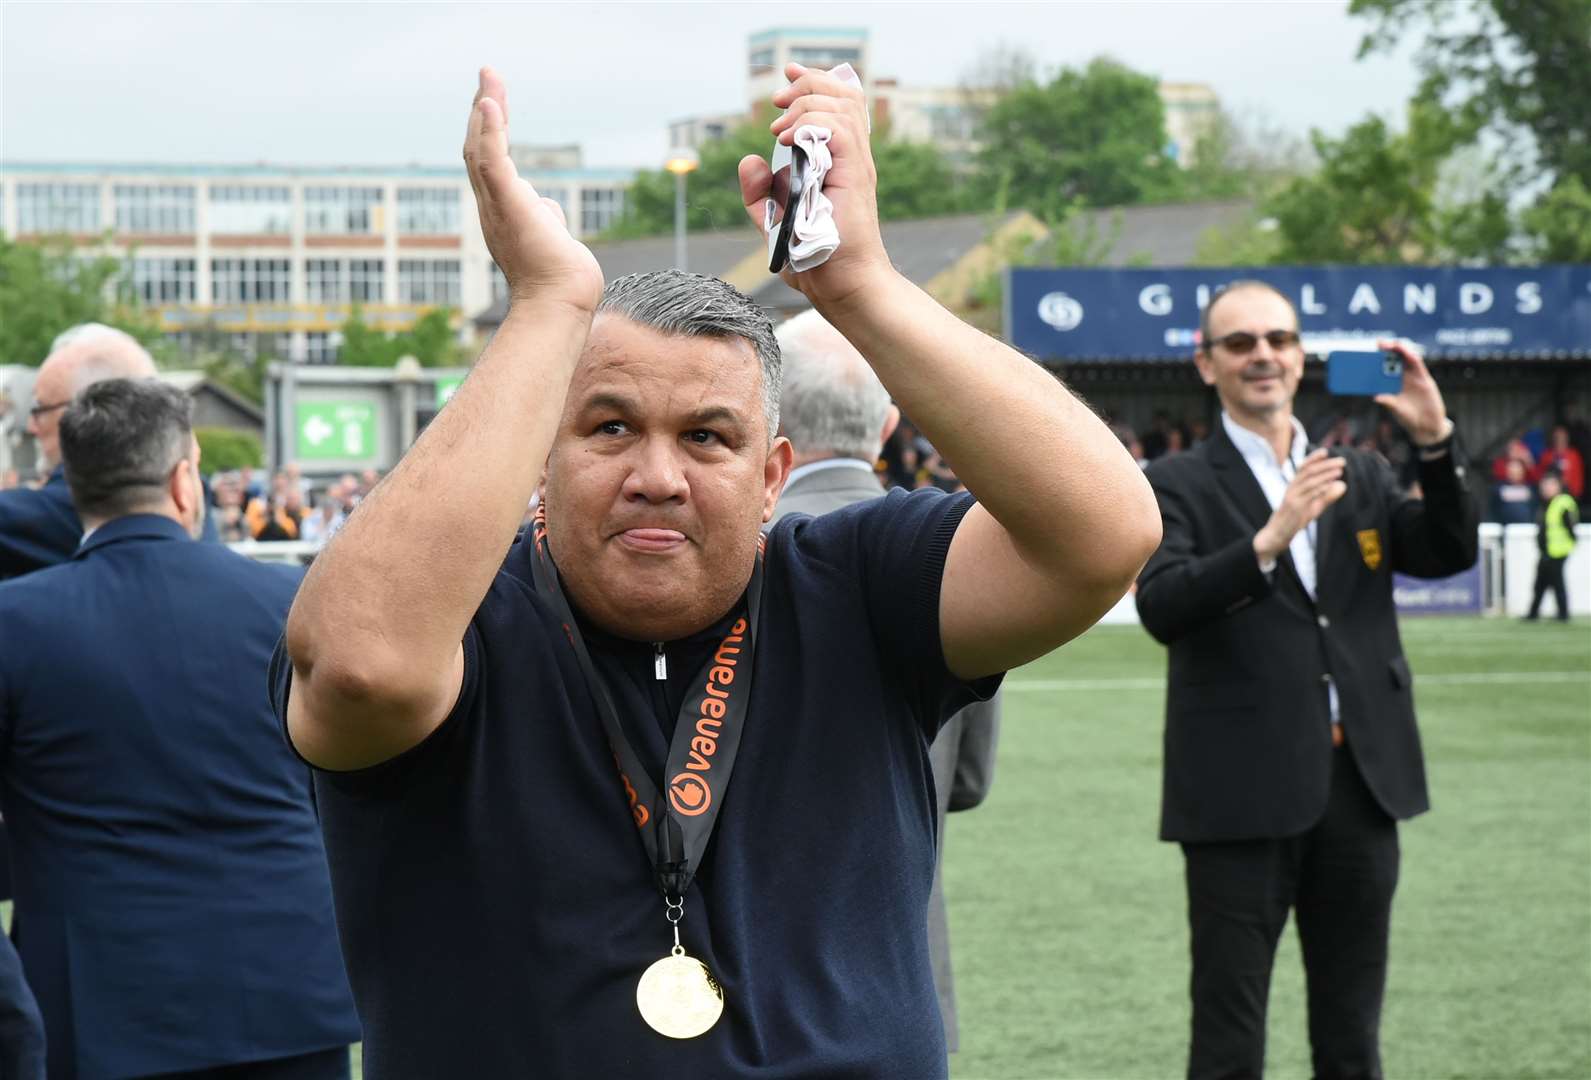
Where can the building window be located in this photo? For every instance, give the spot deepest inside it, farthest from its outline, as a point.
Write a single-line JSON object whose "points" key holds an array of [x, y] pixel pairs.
{"points": [[321, 347], [826, 56], [428, 281], [499, 284], [761, 61], [250, 281], [251, 211], [342, 211], [599, 208], [428, 211], [162, 281], [324, 282], [164, 210], [57, 208], [367, 281], [251, 345]]}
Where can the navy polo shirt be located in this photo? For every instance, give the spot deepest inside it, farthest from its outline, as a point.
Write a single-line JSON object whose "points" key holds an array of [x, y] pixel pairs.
{"points": [[495, 901]]}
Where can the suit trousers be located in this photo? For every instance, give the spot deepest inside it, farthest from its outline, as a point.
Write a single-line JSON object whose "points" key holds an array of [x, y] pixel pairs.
{"points": [[1339, 877]]}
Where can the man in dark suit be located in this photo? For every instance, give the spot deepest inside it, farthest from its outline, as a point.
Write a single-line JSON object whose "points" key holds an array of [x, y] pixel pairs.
{"points": [[39, 528], [838, 416], [1290, 745], [173, 900]]}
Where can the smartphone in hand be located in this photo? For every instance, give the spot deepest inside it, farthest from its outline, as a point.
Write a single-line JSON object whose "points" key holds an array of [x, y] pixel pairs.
{"points": [[789, 165], [1361, 373]]}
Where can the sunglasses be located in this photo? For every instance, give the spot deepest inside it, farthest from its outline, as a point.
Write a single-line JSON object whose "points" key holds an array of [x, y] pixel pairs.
{"points": [[1242, 341]]}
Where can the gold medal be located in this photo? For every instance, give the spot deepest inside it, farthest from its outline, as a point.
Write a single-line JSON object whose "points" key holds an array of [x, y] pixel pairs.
{"points": [[679, 997]]}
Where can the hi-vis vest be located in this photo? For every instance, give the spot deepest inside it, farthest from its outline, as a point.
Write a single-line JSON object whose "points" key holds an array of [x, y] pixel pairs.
{"points": [[1560, 541]]}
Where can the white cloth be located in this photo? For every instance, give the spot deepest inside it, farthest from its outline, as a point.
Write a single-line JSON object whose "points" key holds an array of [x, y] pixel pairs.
{"points": [[1273, 477], [814, 236]]}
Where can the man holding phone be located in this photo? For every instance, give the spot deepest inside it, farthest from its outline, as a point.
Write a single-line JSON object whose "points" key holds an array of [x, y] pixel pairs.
{"points": [[1290, 743], [522, 749]]}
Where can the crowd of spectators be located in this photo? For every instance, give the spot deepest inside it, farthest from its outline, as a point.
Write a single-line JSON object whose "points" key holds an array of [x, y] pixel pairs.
{"points": [[252, 504], [1527, 457]]}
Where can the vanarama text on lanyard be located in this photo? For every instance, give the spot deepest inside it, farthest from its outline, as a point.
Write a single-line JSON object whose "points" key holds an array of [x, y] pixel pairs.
{"points": [[677, 995]]}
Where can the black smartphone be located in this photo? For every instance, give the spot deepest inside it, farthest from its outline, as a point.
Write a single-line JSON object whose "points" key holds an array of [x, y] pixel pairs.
{"points": [[789, 178]]}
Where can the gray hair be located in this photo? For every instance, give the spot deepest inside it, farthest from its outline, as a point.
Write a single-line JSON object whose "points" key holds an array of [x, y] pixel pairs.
{"points": [[86, 331], [120, 439], [103, 352], [833, 402], [694, 305]]}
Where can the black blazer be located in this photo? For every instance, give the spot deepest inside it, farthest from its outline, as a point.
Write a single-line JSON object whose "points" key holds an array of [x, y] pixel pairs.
{"points": [[1248, 724]]}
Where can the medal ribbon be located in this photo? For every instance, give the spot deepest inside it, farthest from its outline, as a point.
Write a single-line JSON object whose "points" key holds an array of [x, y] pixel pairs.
{"points": [[674, 829]]}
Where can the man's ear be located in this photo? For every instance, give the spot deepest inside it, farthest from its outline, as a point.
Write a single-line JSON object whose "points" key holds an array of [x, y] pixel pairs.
{"points": [[891, 422], [774, 474], [1202, 361]]}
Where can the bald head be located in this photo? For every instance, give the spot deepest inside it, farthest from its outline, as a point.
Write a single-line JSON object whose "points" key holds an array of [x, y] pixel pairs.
{"points": [[79, 358], [832, 403]]}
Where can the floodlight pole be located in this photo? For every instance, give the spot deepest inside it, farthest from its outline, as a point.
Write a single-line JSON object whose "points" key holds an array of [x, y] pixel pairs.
{"points": [[682, 163]]}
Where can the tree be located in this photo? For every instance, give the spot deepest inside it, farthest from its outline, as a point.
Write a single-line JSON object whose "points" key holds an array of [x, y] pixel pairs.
{"points": [[1504, 64], [223, 449], [1521, 71], [1375, 198], [47, 288], [914, 180], [1096, 136], [430, 340]]}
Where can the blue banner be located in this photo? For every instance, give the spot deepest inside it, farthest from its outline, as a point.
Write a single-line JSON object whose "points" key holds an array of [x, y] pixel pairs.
{"points": [[1456, 595], [1093, 314]]}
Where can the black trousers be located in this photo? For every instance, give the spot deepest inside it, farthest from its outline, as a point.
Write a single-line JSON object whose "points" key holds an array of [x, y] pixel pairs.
{"points": [[1549, 575], [321, 1065], [1339, 878]]}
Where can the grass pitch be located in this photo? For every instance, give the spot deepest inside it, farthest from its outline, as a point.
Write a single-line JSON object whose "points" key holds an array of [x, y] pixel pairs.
{"points": [[1068, 917]]}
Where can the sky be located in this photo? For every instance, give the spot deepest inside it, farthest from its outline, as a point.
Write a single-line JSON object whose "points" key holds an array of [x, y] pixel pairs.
{"points": [[390, 84]]}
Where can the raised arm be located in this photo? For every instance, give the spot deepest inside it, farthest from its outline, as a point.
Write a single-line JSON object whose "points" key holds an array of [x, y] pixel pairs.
{"points": [[1064, 517], [375, 633]]}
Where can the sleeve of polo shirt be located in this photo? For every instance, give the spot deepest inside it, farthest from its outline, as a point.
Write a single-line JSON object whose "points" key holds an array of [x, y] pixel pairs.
{"points": [[384, 774], [900, 543]]}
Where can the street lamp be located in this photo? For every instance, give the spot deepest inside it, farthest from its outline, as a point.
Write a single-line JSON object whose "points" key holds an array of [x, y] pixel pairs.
{"points": [[681, 163]]}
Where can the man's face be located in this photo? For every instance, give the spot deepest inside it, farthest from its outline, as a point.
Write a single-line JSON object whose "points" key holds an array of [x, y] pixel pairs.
{"points": [[1262, 380], [659, 479], [51, 388]]}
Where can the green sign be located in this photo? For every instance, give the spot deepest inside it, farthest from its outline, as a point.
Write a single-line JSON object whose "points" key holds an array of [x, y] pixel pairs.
{"points": [[336, 431], [445, 388]]}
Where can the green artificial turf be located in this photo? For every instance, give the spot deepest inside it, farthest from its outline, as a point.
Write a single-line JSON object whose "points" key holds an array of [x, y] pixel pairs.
{"points": [[1068, 918]]}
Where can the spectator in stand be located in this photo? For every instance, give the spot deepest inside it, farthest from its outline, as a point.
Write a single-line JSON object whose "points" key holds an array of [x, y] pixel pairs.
{"points": [[1154, 441], [1176, 441], [1339, 434], [1198, 431], [1565, 460], [1513, 499], [347, 488], [368, 481], [269, 521], [324, 522], [1555, 524], [1516, 450]]}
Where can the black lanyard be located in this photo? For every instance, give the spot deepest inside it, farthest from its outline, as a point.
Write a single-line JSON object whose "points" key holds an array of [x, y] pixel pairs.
{"points": [[706, 739]]}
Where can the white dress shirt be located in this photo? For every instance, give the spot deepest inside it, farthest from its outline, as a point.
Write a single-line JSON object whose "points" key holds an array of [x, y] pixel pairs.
{"points": [[1273, 477], [827, 463]]}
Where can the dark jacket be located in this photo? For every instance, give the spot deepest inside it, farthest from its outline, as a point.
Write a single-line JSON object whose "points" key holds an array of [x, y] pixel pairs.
{"points": [[1248, 726], [172, 897]]}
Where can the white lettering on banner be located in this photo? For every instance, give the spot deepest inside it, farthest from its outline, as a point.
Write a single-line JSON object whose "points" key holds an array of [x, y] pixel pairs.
{"points": [[1474, 298], [1201, 296], [1529, 297], [1307, 304], [1364, 299], [1155, 299], [1421, 297], [1060, 311]]}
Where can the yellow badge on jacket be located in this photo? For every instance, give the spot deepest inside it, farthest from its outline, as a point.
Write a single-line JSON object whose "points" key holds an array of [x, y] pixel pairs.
{"points": [[1370, 547]]}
